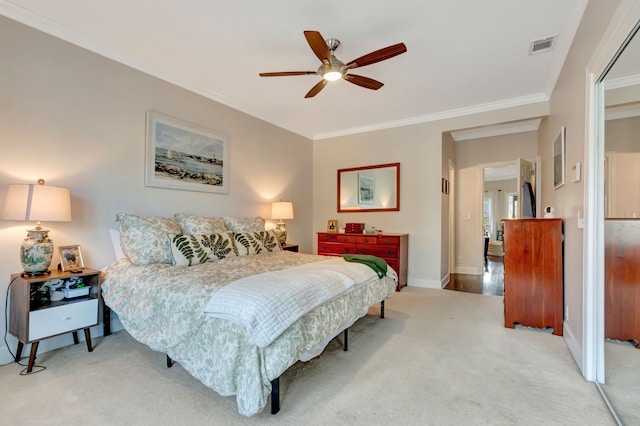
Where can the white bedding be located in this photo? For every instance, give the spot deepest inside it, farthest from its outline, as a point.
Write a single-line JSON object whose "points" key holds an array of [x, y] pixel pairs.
{"points": [[266, 304]]}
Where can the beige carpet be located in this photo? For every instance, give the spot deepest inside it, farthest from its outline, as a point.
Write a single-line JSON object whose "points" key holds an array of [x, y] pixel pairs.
{"points": [[439, 358]]}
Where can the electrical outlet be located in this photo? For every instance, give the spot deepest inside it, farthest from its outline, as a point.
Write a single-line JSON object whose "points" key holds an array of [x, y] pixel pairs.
{"points": [[566, 313]]}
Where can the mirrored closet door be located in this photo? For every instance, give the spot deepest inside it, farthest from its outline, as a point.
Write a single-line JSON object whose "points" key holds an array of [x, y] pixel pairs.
{"points": [[622, 233]]}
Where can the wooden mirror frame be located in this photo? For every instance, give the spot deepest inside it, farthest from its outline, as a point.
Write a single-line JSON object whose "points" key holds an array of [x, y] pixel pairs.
{"points": [[353, 175]]}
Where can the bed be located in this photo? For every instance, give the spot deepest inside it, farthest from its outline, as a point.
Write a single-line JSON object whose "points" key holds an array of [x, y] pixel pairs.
{"points": [[178, 305]]}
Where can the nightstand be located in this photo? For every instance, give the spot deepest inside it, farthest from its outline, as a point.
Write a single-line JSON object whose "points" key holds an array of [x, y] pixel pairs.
{"points": [[34, 317], [290, 247]]}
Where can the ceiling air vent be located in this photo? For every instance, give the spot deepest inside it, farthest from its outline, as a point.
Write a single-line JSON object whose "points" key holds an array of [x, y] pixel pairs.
{"points": [[542, 45]]}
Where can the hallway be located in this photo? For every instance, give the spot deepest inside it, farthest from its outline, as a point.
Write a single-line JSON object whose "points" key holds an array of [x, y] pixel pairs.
{"points": [[491, 282]]}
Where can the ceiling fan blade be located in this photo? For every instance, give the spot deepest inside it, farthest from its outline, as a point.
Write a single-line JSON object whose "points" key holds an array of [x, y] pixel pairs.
{"points": [[316, 89], [318, 45], [378, 55], [361, 81], [286, 73]]}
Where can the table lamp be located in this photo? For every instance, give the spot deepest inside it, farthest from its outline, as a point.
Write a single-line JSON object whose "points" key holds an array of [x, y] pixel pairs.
{"points": [[30, 202], [281, 210]]}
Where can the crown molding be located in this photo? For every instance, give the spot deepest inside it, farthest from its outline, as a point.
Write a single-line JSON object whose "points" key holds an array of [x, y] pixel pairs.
{"points": [[443, 115]]}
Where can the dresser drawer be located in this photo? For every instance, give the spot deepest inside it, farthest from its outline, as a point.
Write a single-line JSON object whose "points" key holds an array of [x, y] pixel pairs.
{"points": [[335, 248], [366, 239], [330, 238], [389, 241], [62, 319], [345, 238], [394, 264], [380, 251]]}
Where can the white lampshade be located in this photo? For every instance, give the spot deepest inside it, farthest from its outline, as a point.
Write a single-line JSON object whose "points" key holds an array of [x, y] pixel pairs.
{"points": [[282, 210], [37, 202]]}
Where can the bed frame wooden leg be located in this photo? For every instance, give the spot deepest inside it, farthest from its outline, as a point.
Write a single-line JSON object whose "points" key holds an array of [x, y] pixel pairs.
{"points": [[275, 395], [169, 362], [382, 309]]}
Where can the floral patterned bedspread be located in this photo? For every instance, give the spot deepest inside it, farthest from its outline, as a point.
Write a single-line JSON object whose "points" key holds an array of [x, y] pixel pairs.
{"points": [[162, 306]]}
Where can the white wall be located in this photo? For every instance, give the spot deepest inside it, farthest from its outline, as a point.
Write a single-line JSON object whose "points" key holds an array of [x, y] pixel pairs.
{"points": [[77, 120], [493, 149]]}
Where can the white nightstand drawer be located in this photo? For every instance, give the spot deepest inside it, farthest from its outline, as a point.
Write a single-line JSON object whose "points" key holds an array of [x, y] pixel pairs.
{"points": [[61, 319]]}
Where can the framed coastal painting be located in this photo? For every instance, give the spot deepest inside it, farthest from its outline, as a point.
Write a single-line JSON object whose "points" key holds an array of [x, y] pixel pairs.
{"points": [[558, 159], [181, 155]]}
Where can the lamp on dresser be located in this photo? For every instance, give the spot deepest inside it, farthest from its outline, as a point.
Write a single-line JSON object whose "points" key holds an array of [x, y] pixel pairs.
{"points": [[281, 210], [29, 202]]}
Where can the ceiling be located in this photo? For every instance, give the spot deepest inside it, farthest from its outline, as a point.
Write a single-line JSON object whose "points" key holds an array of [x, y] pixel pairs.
{"points": [[463, 56]]}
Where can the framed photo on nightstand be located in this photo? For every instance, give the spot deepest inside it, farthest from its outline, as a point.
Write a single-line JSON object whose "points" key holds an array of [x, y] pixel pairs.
{"points": [[71, 258]]}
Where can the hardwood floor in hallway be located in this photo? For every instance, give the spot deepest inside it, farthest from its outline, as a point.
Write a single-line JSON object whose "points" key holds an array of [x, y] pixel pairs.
{"points": [[491, 282]]}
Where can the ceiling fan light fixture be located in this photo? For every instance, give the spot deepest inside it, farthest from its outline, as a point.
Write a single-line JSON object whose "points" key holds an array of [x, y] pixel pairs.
{"points": [[332, 75], [333, 69]]}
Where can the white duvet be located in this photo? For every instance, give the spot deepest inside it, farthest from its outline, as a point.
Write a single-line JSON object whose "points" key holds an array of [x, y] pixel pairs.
{"points": [[267, 304]]}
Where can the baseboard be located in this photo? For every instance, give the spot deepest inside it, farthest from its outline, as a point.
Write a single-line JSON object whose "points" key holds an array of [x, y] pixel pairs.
{"points": [[422, 283], [468, 270], [445, 280], [574, 347]]}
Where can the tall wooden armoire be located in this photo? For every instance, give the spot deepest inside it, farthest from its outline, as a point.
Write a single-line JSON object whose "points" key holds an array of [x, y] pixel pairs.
{"points": [[533, 277]]}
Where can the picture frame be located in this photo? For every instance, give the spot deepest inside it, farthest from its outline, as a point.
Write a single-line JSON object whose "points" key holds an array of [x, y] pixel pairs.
{"points": [[366, 188], [185, 156], [558, 155], [71, 258], [332, 225]]}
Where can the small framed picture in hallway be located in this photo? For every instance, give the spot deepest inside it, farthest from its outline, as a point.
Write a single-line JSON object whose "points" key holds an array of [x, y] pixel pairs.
{"points": [[558, 159]]}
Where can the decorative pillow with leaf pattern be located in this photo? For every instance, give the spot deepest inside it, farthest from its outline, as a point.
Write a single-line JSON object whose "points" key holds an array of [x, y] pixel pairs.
{"points": [[256, 242], [198, 225], [188, 250]]}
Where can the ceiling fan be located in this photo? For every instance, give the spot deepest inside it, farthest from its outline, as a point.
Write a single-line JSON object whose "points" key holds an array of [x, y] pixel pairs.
{"points": [[333, 69]]}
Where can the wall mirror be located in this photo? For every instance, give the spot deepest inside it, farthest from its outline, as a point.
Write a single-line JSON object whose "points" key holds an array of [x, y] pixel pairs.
{"points": [[369, 189]]}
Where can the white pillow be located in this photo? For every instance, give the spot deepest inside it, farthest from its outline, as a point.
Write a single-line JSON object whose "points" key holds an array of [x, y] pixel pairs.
{"points": [[144, 238], [115, 242], [244, 224]]}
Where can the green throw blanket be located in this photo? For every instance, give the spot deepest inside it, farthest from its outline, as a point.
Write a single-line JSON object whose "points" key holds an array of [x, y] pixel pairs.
{"points": [[376, 263]]}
